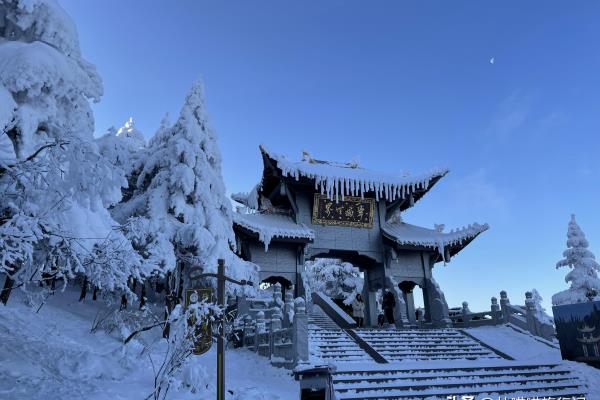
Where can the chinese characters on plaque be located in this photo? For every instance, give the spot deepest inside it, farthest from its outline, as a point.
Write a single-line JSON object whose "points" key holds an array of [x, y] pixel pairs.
{"points": [[352, 211]]}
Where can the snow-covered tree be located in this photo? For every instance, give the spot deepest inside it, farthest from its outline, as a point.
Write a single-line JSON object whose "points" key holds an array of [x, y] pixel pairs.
{"points": [[121, 145], [584, 268], [540, 311], [178, 209], [55, 187], [337, 279]]}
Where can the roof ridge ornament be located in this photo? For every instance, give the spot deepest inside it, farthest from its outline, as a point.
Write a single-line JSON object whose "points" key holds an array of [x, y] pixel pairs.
{"points": [[306, 157]]}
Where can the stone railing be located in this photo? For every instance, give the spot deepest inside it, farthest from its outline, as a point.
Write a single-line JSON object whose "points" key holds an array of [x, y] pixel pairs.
{"points": [[274, 328], [468, 319], [524, 317], [339, 316]]}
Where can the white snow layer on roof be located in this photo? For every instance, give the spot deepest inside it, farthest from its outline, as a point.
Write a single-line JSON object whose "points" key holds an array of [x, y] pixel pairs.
{"points": [[407, 234], [269, 226], [337, 179], [248, 199]]}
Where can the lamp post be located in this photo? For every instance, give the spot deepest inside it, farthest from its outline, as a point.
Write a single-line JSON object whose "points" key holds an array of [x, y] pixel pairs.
{"points": [[221, 278]]}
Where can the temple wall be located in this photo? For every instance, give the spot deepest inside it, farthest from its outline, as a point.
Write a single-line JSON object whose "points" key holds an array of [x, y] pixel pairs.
{"points": [[409, 266], [280, 260], [364, 240]]}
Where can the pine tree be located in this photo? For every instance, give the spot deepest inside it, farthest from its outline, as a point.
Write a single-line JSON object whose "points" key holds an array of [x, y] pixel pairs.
{"points": [[55, 187], [584, 268], [178, 210]]}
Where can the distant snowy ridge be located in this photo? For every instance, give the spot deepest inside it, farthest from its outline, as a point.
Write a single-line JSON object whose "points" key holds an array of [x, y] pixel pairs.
{"points": [[407, 234], [336, 179], [269, 226]]}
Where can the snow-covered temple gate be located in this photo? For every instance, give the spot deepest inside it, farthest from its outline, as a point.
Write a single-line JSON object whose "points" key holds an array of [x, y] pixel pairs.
{"points": [[306, 209]]}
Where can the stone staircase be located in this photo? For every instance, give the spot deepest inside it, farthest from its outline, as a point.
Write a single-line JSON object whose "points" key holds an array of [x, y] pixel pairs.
{"points": [[330, 344], [430, 364], [319, 319], [425, 344], [441, 380]]}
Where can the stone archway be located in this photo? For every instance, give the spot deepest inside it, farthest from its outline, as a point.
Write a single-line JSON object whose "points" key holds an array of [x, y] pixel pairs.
{"points": [[273, 279]]}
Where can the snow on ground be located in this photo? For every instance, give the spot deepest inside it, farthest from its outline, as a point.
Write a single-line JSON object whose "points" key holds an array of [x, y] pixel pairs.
{"points": [[520, 346], [525, 347], [51, 354]]}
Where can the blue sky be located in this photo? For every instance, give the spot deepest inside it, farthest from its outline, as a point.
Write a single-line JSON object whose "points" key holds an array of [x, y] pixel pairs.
{"points": [[401, 86]]}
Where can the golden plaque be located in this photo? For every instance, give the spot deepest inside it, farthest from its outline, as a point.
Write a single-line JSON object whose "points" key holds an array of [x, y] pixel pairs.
{"points": [[352, 211]]}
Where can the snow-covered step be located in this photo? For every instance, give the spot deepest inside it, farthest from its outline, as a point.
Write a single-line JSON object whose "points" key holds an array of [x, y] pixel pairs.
{"points": [[421, 382], [334, 345], [317, 317], [425, 345]]}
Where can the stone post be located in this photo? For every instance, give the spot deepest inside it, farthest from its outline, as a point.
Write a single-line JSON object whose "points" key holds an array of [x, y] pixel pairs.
{"points": [[496, 313], [300, 331], [271, 337], [288, 309], [466, 313], [277, 297], [275, 329], [260, 329], [503, 305], [410, 307], [242, 305], [247, 329], [530, 313], [276, 318]]}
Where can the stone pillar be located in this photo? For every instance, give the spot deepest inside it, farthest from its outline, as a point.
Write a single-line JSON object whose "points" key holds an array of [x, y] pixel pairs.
{"points": [[503, 305], [277, 297], [410, 306], [370, 299], [438, 308], [276, 319], [274, 330], [242, 305], [300, 331], [288, 309], [466, 314], [371, 312], [530, 313], [248, 329], [261, 329], [496, 313]]}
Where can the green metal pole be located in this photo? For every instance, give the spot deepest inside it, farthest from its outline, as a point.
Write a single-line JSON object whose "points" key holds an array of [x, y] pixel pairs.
{"points": [[220, 339]]}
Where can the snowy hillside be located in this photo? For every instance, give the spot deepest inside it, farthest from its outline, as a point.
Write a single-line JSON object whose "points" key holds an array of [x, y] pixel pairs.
{"points": [[51, 354]]}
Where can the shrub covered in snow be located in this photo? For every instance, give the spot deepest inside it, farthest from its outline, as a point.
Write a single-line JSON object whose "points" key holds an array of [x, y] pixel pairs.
{"points": [[337, 279], [583, 276]]}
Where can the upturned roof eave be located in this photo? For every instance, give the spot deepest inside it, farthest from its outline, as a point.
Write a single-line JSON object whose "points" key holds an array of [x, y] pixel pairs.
{"points": [[404, 203]]}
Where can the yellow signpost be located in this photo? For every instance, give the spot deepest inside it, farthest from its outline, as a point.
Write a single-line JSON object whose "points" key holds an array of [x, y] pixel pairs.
{"points": [[202, 332]]}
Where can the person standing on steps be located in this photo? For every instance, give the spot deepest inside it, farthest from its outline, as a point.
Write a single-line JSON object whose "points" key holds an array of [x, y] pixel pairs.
{"points": [[388, 304], [358, 310]]}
